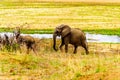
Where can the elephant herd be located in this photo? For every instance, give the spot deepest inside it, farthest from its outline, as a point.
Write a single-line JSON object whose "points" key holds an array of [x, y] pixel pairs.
{"points": [[73, 36]]}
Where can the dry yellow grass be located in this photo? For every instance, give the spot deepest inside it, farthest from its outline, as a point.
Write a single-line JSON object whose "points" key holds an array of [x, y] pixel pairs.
{"points": [[100, 1], [101, 63], [49, 15], [49, 18]]}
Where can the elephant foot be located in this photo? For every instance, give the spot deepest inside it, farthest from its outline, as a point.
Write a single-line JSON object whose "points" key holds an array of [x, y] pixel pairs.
{"points": [[87, 53], [74, 52], [61, 49]]}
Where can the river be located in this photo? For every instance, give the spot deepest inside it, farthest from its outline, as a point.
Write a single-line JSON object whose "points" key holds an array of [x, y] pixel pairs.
{"points": [[90, 37]]}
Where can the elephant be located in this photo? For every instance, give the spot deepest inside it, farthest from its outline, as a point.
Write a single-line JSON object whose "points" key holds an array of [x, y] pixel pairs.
{"points": [[73, 36], [4, 42], [16, 31], [29, 41]]}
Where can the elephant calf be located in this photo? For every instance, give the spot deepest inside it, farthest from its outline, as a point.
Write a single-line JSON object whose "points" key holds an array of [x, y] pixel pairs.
{"points": [[29, 41], [69, 35], [4, 42]]}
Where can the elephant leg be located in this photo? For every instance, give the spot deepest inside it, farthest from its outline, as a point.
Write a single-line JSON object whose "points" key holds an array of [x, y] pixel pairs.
{"points": [[66, 48], [75, 49], [28, 49], [62, 44], [61, 47], [84, 45], [66, 41], [34, 49]]}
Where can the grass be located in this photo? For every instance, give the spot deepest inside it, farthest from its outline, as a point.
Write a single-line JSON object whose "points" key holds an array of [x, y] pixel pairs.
{"points": [[50, 31], [48, 15], [105, 31], [51, 65], [103, 62]]}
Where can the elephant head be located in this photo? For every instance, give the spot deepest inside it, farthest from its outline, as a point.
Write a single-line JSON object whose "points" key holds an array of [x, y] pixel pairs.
{"points": [[62, 30], [17, 37], [16, 32]]}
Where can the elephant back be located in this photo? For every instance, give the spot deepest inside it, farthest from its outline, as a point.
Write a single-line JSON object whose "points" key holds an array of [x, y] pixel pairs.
{"points": [[77, 34], [28, 39]]}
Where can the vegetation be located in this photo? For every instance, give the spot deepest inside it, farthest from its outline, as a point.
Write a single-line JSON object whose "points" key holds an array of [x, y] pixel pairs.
{"points": [[51, 65], [91, 17], [50, 31], [103, 62]]}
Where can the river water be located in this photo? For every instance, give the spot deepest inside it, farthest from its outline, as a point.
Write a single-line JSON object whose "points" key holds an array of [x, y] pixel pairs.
{"points": [[90, 37]]}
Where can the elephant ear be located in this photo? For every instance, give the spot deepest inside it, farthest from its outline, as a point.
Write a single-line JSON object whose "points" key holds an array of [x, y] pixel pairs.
{"points": [[66, 30]]}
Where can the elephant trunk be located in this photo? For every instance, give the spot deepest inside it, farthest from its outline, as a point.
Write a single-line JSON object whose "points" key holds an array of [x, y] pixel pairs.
{"points": [[54, 42]]}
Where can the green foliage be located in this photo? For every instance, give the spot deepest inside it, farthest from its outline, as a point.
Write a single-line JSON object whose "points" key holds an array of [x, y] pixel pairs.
{"points": [[50, 31], [105, 31], [29, 31]]}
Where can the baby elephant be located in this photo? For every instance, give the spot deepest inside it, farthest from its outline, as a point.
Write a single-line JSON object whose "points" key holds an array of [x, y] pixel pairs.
{"points": [[69, 35], [29, 41]]}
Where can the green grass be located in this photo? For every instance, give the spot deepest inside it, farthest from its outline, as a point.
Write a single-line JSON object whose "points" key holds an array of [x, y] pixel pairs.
{"points": [[29, 31], [50, 31], [48, 15], [105, 31]]}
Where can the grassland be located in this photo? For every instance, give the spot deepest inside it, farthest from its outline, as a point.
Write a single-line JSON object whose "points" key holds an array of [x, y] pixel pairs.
{"points": [[103, 62], [47, 15]]}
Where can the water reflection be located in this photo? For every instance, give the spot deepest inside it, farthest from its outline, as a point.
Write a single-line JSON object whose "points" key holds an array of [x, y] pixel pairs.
{"points": [[90, 37]]}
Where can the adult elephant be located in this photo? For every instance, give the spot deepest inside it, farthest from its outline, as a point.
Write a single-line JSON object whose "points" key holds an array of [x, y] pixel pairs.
{"points": [[69, 35]]}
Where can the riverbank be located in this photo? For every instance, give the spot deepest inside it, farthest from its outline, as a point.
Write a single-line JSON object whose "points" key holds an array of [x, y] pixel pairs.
{"points": [[50, 31]]}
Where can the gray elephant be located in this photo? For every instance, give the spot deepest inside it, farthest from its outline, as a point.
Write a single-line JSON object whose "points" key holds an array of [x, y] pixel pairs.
{"points": [[69, 35], [29, 41], [4, 42]]}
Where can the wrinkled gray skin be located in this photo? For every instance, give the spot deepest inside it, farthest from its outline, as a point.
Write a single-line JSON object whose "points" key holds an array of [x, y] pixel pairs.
{"points": [[69, 35], [27, 40]]}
